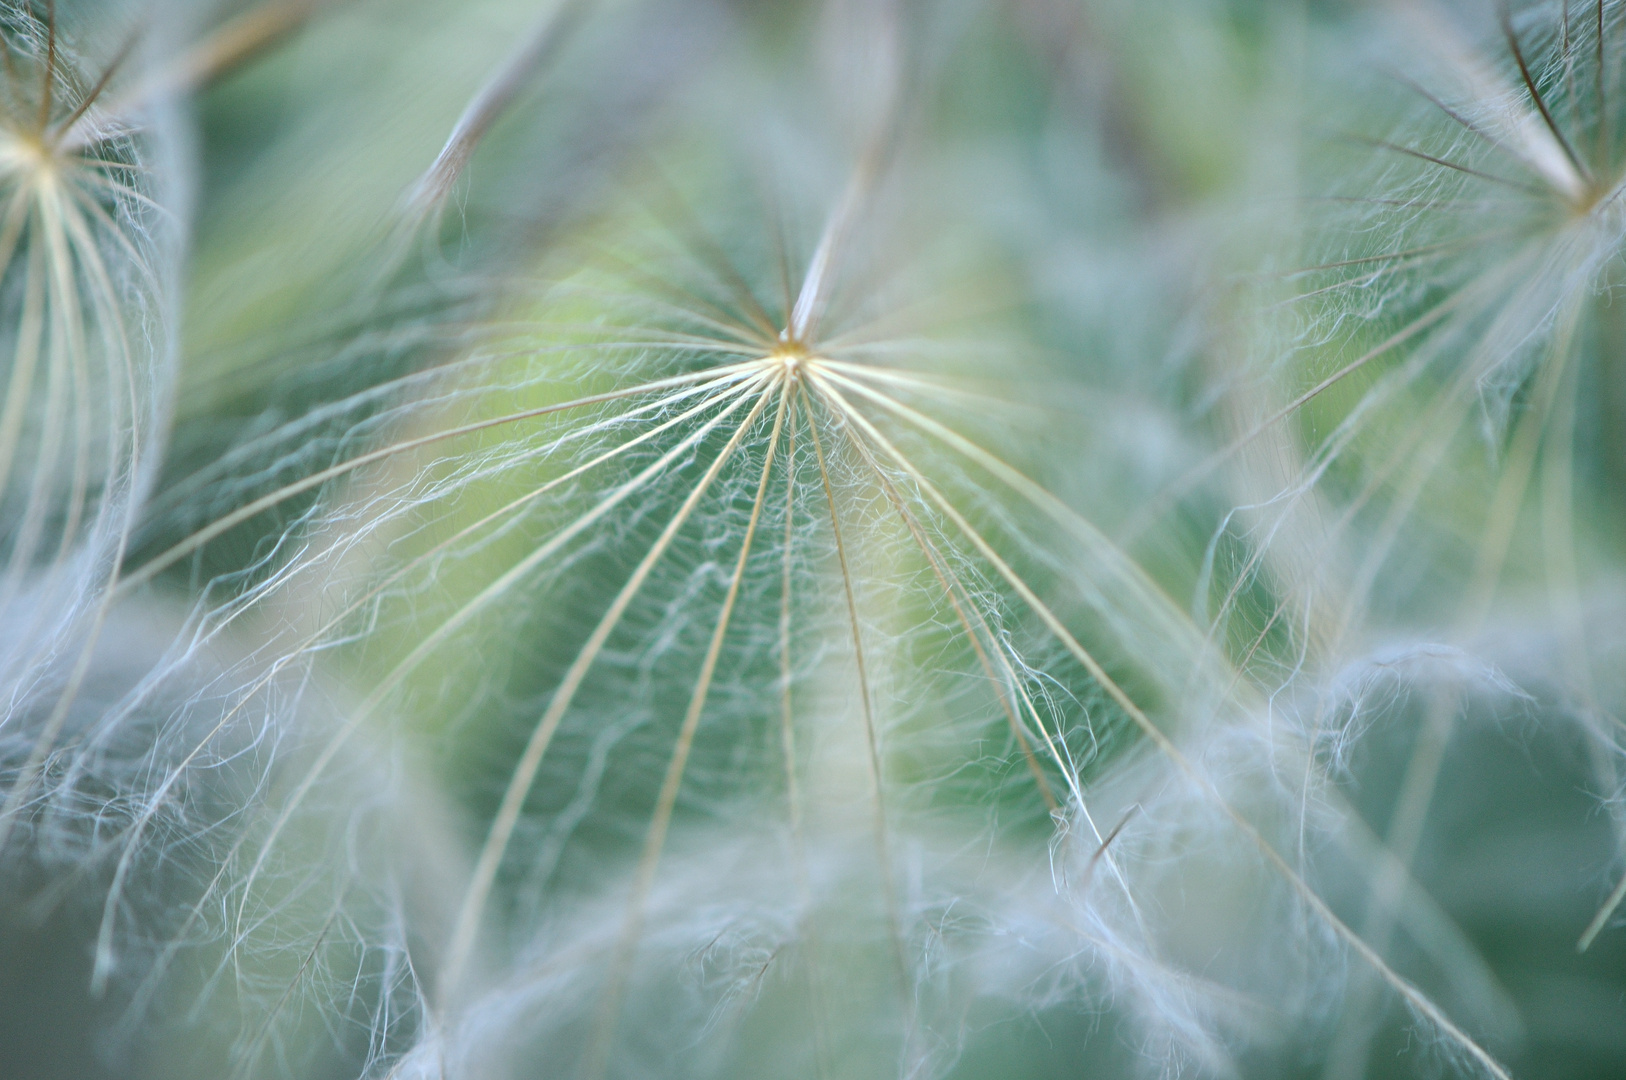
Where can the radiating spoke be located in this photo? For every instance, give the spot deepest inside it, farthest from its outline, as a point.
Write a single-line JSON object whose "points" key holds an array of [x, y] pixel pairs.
{"points": [[666, 800], [519, 785], [965, 611], [865, 702]]}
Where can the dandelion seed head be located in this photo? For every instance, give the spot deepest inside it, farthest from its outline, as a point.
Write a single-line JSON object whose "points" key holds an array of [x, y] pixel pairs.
{"points": [[760, 647]]}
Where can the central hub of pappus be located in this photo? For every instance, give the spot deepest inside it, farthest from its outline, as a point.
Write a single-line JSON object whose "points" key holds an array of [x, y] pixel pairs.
{"points": [[791, 354]]}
